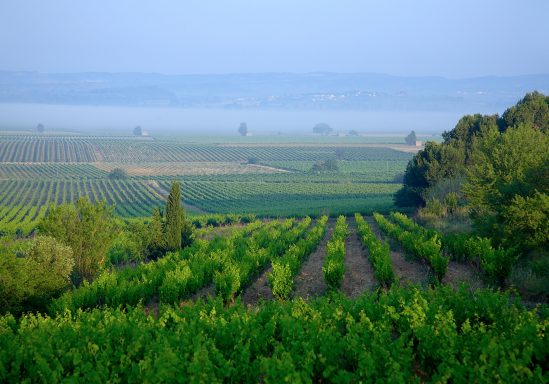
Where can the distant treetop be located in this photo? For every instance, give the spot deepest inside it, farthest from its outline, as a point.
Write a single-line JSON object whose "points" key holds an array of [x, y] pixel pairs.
{"points": [[411, 138], [243, 129], [322, 129], [138, 131], [40, 128]]}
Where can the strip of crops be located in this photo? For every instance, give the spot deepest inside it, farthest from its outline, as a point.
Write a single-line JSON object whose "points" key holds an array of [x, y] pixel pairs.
{"points": [[378, 252], [403, 335], [35, 171], [120, 151], [377, 170], [334, 263], [239, 272], [286, 198], [36, 149], [422, 247], [25, 201], [285, 268], [228, 262]]}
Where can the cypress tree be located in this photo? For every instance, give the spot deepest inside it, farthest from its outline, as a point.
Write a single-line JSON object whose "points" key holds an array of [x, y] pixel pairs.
{"points": [[174, 218]]}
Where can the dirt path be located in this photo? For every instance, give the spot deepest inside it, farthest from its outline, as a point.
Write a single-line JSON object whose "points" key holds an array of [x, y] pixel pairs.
{"points": [[259, 289], [405, 271], [462, 273], [310, 280], [359, 275], [203, 293]]}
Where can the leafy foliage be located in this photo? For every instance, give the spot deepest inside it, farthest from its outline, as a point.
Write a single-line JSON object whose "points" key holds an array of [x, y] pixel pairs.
{"points": [[403, 335], [88, 229], [419, 242], [29, 282], [379, 253], [334, 263], [507, 203]]}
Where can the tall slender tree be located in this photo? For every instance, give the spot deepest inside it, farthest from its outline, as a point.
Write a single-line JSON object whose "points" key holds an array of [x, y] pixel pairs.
{"points": [[174, 218]]}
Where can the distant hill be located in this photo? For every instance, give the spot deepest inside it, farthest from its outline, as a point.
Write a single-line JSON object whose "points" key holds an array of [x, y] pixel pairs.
{"points": [[361, 91]]}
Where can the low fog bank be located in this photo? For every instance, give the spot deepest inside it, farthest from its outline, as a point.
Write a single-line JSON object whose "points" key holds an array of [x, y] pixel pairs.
{"points": [[155, 120]]}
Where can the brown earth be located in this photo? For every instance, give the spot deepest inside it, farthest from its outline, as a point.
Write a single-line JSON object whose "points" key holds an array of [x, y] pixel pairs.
{"points": [[309, 282], [406, 271], [359, 275], [462, 273], [258, 290]]}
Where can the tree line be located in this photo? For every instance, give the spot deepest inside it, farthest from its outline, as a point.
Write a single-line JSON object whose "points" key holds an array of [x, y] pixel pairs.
{"points": [[492, 170]]}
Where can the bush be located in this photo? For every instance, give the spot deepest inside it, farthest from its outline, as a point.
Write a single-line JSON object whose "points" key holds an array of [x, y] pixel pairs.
{"points": [[281, 280], [30, 282], [227, 281]]}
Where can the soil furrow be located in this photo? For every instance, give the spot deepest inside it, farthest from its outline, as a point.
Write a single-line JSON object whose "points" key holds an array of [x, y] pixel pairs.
{"points": [[406, 271], [359, 275], [309, 282]]}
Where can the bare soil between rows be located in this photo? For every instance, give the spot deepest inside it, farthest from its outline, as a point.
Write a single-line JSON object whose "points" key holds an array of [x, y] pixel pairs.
{"points": [[309, 283], [359, 275], [406, 271]]}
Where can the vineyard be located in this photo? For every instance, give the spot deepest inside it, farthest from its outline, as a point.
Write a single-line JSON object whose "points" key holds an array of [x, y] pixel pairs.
{"points": [[183, 314], [26, 201], [267, 179], [133, 150]]}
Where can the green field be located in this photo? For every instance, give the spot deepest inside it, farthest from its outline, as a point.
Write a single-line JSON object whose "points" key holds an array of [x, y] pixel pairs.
{"points": [[216, 176]]}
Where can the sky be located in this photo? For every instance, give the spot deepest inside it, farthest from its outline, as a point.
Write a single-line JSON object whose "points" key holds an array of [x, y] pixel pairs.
{"points": [[452, 38]]}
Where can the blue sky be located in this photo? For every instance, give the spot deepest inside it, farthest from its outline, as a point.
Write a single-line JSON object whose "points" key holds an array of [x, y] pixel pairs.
{"points": [[424, 37]]}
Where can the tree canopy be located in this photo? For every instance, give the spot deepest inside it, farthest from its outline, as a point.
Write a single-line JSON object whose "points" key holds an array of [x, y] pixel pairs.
{"points": [[117, 174], [243, 129], [88, 229], [322, 129], [496, 167], [411, 138]]}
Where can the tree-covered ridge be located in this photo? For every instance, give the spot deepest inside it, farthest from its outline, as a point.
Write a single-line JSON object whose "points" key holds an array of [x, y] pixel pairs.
{"points": [[492, 171]]}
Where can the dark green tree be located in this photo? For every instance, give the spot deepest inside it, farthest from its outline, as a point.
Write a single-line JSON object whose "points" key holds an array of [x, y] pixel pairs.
{"points": [[117, 174], [243, 129], [532, 110], [138, 131], [411, 138], [322, 129], [506, 189], [40, 128], [174, 218]]}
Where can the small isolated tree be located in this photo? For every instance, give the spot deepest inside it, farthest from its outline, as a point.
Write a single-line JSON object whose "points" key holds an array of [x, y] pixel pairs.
{"points": [[51, 264], [174, 218], [243, 129], [40, 128], [411, 138], [138, 131], [30, 282], [353, 132], [117, 174], [88, 229], [325, 165], [322, 129]]}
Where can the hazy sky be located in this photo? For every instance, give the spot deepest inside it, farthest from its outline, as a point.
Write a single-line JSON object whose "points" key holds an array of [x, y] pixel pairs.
{"points": [[453, 38]]}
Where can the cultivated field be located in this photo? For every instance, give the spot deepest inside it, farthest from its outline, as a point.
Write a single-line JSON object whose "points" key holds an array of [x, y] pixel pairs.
{"points": [[267, 178]]}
